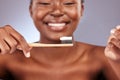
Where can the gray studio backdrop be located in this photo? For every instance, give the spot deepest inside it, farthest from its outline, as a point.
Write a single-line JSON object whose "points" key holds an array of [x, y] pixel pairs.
{"points": [[100, 16]]}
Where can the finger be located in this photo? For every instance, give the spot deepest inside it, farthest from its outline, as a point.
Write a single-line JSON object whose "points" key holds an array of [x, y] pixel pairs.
{"points": [[118, 27], [4, 48], [19, 38], [116, 32], [12, 43], [23, 45], [112, 52], [27, 55], [115, 41]]}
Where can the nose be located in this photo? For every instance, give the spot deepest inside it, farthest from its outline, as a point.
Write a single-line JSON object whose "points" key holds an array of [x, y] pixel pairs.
{"points": [[57, 11]]}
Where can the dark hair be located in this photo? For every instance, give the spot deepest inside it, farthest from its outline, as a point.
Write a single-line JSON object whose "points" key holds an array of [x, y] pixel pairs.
{"points": [[81, 1]]}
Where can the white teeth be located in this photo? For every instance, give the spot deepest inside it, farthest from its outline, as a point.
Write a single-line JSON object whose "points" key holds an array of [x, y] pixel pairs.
{"points": [[56, 24]]}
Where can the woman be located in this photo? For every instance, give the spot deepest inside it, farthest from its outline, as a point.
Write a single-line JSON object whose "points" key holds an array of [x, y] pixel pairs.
{"points": [[55, 19]]}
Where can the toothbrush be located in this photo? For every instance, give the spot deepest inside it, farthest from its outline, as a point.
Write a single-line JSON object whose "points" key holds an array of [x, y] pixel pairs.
{"points": [[65, 42]]}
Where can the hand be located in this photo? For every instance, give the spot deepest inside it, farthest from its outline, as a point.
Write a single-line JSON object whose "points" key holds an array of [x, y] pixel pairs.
{"points": [[10, 40], [112, 49]]}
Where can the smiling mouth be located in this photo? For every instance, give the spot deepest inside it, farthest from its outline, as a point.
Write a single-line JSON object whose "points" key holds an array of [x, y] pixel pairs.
{"points": [[58, 26]]}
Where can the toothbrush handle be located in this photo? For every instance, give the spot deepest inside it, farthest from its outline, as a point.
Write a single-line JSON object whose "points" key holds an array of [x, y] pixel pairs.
{"points": [[50, 45]]}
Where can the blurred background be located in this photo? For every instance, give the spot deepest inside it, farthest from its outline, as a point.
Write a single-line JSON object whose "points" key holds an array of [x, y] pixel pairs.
{"points": [[100, 16]]}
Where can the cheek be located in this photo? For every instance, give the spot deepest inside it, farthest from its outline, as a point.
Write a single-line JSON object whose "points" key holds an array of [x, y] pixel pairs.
{"points": [[39, 13], [38, 16], [75, 17], [74, 14]]}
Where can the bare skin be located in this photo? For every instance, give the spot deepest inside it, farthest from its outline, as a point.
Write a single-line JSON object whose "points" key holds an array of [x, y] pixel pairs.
{"points": [[87, 63], [80, 62]]}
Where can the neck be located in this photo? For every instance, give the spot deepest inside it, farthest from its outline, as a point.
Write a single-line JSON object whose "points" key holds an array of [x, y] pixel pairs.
{"points": [[55, 55]]}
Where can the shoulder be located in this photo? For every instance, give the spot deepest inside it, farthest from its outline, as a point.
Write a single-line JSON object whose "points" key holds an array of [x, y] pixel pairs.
{"points": [[93, 53], [96, 54], [90, 48]]}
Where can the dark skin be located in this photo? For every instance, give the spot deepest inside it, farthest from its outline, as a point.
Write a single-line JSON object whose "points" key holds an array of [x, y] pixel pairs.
{"points": [[79, 62], [87, 63]]}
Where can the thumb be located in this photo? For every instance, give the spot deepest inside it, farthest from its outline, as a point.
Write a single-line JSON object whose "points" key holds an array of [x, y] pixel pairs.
{"points": [[26, 53]]}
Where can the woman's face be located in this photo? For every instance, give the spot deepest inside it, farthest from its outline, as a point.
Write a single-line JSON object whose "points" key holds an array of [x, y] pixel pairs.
{"points": [[55, 18]]}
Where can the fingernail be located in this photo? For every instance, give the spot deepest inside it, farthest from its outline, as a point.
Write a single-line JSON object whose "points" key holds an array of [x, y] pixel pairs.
{"points": [[118, 27], [112, 31], [27, 55]]}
